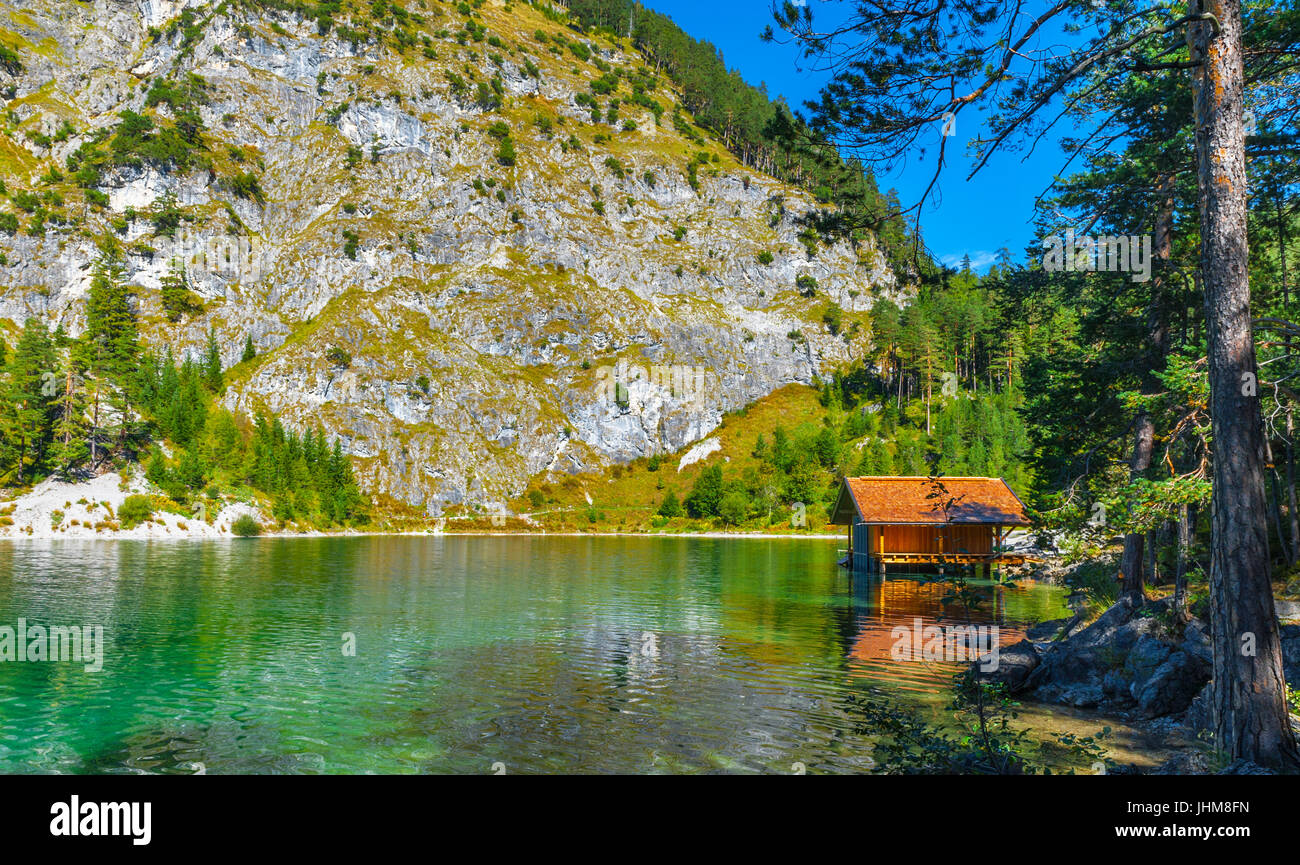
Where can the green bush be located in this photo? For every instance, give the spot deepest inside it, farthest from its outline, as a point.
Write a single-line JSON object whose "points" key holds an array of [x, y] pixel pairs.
{"points": [[506, 153], [833, 318], [246, 527], [670, 507], [134, 511], [247, 185], [734, 508], [9, 60]]}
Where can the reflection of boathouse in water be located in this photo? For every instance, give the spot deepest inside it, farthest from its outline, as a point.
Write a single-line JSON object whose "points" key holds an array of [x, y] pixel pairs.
{"points": [[884, 603], [908, 521]]}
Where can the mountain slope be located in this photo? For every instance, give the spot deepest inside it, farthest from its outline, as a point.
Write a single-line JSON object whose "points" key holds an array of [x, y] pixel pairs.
{"points": [[439, 255]]}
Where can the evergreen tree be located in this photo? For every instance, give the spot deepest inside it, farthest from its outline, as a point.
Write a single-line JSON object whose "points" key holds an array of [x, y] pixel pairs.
{"points": [[804, 483], [110, 350], [177, 299], [899, 49], [69, 449], [876, 458], [670, 507], [212, 378], [706, 494], [29, 394], [111, 319]]}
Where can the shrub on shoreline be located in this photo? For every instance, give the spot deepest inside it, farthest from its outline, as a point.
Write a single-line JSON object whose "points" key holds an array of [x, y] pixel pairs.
{"points": [[246, 527], [135, 510]]}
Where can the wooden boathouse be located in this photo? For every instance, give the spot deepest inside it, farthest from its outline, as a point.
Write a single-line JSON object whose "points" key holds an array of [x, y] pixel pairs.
{"points": [[900, 521]]}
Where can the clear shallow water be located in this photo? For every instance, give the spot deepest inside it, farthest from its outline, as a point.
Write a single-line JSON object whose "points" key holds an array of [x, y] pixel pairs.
{"points": [[613, 654]]}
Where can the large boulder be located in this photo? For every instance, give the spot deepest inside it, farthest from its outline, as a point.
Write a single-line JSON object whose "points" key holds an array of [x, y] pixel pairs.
{"points": [[1054, 629], [1129, 659], [1073, 669], [1146, 656], [1196, 641], [1172, 686], [1010, 666]]}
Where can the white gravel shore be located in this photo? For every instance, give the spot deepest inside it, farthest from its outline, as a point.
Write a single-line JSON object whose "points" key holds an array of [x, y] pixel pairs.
{"points": [[87, 504]]}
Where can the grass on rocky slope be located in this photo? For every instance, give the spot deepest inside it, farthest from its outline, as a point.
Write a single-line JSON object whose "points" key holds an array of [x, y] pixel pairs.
{"points": [[626, 498]]}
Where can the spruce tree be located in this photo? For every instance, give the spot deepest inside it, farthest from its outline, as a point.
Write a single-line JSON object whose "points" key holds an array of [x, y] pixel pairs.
{"points": [[29, 392], [111, 318], [706, 494], [177, 299], [111, 350], [876, 459], [212, 363], [69, 449]]}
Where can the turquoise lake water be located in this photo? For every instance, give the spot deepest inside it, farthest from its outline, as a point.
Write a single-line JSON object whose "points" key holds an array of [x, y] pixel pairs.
{"points": [[530, 654]]}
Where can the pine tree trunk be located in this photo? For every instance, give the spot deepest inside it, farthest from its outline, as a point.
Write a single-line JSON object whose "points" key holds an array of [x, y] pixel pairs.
{"points": [[94, 431], [1180, 570], [1130, 563], [1293, 515], [1249, 692], [1131, 576], [1281, 251], [67, 409], [1275, 488], [1153, 555]]}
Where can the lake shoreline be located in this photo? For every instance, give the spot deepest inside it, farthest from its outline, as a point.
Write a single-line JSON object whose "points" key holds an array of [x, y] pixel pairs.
{"points": [[129, 535], [88, 509]]}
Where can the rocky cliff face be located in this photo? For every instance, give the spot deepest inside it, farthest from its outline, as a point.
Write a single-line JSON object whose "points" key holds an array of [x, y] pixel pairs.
{"points": [[460, 322]]}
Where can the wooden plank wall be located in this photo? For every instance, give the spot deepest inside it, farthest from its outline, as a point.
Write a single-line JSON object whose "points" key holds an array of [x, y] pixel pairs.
{"points": [[975, 540], [861, 541]]}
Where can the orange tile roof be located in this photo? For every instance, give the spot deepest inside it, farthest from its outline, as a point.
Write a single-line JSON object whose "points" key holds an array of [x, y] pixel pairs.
{"points": [[905, 500]]}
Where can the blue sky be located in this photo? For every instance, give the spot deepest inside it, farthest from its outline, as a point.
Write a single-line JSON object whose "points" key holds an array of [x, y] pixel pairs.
{"points": [[976, 217]]}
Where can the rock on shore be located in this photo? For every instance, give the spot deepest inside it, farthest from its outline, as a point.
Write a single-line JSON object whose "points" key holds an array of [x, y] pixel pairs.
{"points": [[1131, 661]]}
